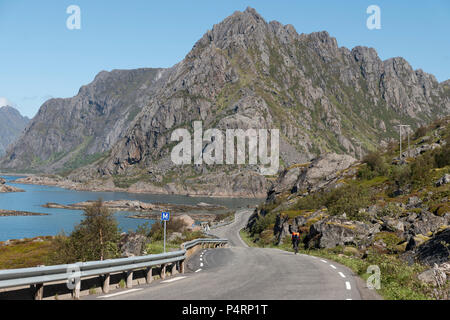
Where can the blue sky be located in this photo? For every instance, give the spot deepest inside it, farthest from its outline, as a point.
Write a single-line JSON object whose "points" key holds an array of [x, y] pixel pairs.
{"points": [[40, 58]]}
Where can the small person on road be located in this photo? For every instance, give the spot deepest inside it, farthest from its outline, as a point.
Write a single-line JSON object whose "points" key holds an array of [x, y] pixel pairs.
{"points": [[295, 240]]}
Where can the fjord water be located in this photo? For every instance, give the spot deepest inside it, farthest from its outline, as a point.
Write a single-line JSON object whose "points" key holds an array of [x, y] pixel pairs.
{"points": [[57, 220]]}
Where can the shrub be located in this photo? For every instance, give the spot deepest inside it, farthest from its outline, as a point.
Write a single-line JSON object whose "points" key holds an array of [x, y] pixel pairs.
{"points": [[263, 223], [173, 225], [349, 199], [376, 163], [95, 238], [442, 157], [420, 132]]}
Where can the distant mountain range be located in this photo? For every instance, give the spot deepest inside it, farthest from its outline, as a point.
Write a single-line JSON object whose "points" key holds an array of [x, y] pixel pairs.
{"points": [[12, 124], [244, 73]]}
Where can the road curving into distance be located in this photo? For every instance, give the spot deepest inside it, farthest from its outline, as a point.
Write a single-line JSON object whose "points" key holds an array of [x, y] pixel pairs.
{"points": [[240, 272]]}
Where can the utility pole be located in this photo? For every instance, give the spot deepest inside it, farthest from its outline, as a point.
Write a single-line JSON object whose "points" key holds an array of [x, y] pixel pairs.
{"points": [[400, 126]]}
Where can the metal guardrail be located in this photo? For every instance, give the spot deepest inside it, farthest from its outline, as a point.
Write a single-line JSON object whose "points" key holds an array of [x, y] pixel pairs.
{"points": [[193, 243], [40, 275]]}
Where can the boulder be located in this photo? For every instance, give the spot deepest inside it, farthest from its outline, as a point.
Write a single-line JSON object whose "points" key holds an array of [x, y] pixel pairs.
{"points": [[435, 276], [391, 224], [331, 232], [425, 223], [435, 250], [187, 220], [322, 171], [132, 244], [308, 177], [444, 180], [2, 181], [413, 202], [284, 226]]}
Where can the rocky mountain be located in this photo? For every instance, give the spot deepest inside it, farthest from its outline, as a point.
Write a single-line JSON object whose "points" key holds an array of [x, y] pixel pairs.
{"points": [[244, 73], [68, 133], [386, 209], [12, 124]]}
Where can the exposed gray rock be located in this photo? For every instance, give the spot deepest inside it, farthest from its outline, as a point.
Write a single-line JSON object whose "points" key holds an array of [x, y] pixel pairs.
{"points": [[435, 250], [83, 127], [333, 231], [435, 277], [243, 73], [132, 244], [424, 223], [12, 124], [444, 180], [2, 181], [321, 172]]}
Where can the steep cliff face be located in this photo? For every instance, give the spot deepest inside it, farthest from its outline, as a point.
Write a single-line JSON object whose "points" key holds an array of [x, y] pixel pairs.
{"points": [[246, 73], [67, 133], [12, 124]]}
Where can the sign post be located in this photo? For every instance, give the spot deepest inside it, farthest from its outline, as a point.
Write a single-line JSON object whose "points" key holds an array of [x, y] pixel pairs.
{"points": [[165, 216]]}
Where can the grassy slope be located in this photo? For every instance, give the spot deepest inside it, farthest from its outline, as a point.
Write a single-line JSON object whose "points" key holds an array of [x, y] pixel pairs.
{"points": [[398, 280]]}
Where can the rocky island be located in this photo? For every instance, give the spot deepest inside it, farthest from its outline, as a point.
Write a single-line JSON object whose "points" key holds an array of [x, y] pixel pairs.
{"points": [[5, 188]]}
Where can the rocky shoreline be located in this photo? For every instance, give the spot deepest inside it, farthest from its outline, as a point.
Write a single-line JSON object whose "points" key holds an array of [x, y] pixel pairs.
{"points": [[107, 185], [134, 205], [6, 189], [14, 213]]}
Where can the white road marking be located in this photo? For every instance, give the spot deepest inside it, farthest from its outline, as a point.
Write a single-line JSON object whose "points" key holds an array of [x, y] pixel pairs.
{"points": [[198, 270], [172, 280], [323, 260], [332, 266], [342, 275], [201, 264], [119, 293], [348, 286], [349, 299], [201, 259]]}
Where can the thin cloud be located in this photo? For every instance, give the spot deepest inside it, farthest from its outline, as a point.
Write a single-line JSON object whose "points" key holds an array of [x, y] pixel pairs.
{"points": [[5, 102]]}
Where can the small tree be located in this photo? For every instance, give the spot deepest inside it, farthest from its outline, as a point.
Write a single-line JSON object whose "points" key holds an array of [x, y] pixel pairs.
{"points": [[95, 238]]}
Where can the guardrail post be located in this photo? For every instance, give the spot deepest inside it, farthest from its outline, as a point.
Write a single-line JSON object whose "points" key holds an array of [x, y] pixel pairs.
{"points": [[76, 290], [38, 291], [130, 279], [163, 271], [182, 266], [174, 269], [149, 275], [106, 280]]}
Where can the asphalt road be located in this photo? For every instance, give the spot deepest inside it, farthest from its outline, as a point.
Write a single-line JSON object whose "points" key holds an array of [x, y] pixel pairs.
{"points": [[246, 273]]}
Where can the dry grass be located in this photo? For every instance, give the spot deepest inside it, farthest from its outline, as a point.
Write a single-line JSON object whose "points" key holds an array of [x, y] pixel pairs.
{"points": [[25, 254]]}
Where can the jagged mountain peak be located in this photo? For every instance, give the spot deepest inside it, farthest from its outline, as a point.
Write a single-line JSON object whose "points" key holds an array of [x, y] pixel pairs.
{"points": [[247, 73]]}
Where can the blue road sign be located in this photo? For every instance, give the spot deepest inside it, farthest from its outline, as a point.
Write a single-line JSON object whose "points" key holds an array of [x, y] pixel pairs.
{"points": [[165, 216]]}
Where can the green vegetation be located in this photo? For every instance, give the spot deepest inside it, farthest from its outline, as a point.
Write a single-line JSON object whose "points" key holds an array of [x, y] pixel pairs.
{"points": [[95, 238], [398, 279], [381, 180], [26, 253]]}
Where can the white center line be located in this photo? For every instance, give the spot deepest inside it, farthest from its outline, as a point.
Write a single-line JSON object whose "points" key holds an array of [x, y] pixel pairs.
{"points": [[119, 293], [201, 259], [201, 264], [332, 266], [347, 285], [172, 280], [198, 270], [323, 260], [342, 275], [348, 299]]}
